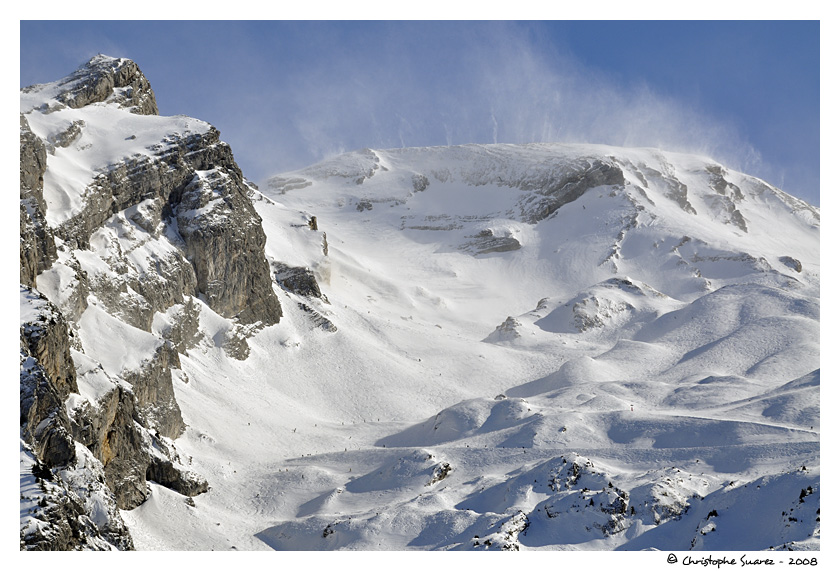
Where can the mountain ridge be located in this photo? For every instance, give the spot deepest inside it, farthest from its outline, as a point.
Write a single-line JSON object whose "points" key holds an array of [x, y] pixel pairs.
{"points": [[96, 223], [506, 347]]}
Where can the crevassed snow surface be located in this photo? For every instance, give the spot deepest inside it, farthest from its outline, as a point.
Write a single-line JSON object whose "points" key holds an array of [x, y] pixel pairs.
{"points": [[656, 385]]}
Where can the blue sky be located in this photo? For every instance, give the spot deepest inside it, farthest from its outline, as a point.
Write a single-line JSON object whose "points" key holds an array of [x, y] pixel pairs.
{"points": [[287, 94]]}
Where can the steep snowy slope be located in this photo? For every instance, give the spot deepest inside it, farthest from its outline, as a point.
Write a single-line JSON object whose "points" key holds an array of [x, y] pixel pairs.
{"points": [[648, 310], [481, 347], [535, 347], [131, 225]]}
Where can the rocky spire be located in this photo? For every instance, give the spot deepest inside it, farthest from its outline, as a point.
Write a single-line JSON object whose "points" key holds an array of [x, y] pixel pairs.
{"points": [[106, 78]]}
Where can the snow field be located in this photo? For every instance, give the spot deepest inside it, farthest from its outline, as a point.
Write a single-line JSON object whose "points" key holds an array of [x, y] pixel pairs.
{"points": [[670, 386]]}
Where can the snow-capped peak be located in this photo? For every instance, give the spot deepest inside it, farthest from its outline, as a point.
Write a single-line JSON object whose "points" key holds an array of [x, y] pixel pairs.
{"points": [[481, 347]]}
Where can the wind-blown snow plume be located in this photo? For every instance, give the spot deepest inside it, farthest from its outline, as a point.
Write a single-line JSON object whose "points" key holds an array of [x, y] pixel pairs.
{"points": [[536, 346], [491, 84]]}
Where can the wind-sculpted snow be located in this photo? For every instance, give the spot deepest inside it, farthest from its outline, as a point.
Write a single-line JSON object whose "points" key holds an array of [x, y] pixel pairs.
{"points": [[651, 348], [483, 347]]}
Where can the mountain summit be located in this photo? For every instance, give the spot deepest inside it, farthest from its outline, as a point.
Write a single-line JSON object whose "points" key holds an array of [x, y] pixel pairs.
{"points": [[127, 220], [508, 347], [101, 79]]}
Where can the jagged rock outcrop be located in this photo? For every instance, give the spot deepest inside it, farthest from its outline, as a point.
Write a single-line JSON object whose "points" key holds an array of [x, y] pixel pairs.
{"points": [[104, 78], [47, 376], [792, 263], [116, 429], [297, 280], [554, 189], [67, 509], [167, 469], [487, 242], [121, 452], [192, 185], [60, 518], [152, 232], [168, 168], [190, 165], [152, 388], [43, 419], [728, 195], [47, 339], [225, 242], [37, 245], [68, 287], [317, 319], [508, 330], [184, 332], [112, 430]]}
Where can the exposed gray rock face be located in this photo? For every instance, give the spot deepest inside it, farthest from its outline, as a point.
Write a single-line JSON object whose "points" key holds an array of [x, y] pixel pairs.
{"points": [[298, 280], [86, 478], [792, 263], [66, 137], [225, 242], [184, 333], [211, 212], [115, 432], [507, 331], [317, 319], [556, 189], [61, 524], [486, 242], [547, 188], [135, 295], [33, 163], [68, 287], [44, 424], [594, 312], [189, 196], [235, 343], [46, 337], [47, 376], [118, 444], [166, 474], [127, 305], [56, 506], [677, 191], [152, 388], [419, 182], [167, 469], [721, 185], [37, 246], [124, 429], [136, 179], [105, 78], [729, 195], [28, 253]]}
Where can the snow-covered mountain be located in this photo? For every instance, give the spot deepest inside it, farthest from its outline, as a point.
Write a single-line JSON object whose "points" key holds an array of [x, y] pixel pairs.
{"points": [[480, 347]]}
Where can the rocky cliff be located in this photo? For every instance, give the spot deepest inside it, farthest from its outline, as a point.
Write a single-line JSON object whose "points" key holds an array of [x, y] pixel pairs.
{"points": [[37, 247], [125, 234]]}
